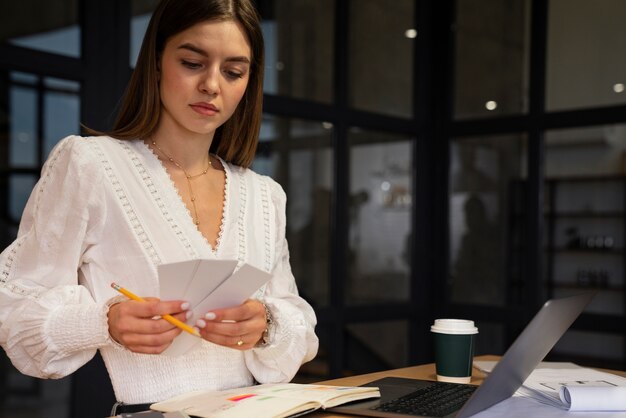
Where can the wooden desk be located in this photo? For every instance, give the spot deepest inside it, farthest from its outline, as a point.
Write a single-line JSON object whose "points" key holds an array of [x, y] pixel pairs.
{"points": [[426, 371]]}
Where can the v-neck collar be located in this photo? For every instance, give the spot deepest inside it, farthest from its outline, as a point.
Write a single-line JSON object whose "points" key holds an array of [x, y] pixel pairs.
{"points": [[177, 205]]}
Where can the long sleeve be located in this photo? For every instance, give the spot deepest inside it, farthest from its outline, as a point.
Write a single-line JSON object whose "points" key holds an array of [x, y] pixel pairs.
{"points": [[292, 340], [49, 324]]}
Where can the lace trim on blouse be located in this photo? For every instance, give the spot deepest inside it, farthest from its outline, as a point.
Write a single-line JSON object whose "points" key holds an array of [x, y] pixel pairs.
{"points": [[266, 224], [10, 258], [141, 169], [225, 206], [138, 228], [243, 195], [185, 213]]}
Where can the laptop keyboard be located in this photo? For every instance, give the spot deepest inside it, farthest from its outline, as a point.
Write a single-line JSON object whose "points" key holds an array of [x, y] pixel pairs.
{"points": [[436, 400]]}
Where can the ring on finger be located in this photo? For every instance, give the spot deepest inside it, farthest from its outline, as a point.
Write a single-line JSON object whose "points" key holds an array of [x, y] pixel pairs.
{"points": [[240, 342]]}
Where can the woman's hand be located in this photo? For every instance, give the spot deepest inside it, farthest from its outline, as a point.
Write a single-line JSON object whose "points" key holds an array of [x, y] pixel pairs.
{"points": [[240, 327], [137, 326]]}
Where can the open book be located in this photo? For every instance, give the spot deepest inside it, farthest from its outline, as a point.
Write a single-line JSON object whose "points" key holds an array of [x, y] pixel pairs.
{"points": [[265, 401]]}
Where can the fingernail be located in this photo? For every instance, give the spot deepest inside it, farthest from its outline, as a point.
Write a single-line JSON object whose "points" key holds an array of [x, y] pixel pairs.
{"points": [[184, 306], [196, 329], [189, 314], [210, 316], [201, 323]]}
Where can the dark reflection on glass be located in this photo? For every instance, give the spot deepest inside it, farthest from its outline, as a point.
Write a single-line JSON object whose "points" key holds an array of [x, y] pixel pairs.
{"points": [[38, 113], [484, 221], [299, 48], [45, 26], [586, 64], [380, 217], [585, 179], [297, 154], [61, 113], [20, 186], [491, 74], [376, 346], [23, 121], [381, 56], [490, 339], [591, 348], [141, 11]]}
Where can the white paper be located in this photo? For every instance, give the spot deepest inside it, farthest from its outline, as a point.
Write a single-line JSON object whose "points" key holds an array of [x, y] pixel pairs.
{"points": [[522, 407], [594, 398], [206, 285], [544, 385]]}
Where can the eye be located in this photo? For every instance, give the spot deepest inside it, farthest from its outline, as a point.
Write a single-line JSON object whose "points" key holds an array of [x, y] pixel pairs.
{"points": [[190, 64], [234, 74]]}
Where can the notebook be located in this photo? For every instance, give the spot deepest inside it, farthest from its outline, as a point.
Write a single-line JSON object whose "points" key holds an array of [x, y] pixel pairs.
{"points": [[526, 352]]}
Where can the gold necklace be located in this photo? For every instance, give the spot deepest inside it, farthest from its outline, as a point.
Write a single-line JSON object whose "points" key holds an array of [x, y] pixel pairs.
{"points": [[189, 178]]}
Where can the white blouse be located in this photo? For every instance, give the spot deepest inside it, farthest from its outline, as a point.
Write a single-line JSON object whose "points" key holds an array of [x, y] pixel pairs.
{"points": [[106, 210]]}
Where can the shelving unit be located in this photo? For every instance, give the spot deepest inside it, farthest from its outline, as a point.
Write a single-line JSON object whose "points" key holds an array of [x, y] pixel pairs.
{"points": [[585, 219]]}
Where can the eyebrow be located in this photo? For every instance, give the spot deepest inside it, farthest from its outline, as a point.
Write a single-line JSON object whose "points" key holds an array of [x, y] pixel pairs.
{"points": [[193, 48]]}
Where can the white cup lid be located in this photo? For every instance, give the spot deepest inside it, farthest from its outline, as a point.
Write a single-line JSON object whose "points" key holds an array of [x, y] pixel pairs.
{"points": [[454, 326]]}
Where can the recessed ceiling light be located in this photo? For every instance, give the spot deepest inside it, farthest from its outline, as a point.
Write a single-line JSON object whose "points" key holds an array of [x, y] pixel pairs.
{"points": [[410, 33], [618, 87], [491, 105]]}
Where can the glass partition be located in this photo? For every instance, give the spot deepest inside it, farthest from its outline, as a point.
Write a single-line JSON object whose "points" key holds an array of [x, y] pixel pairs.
{"points": [[35, 114], [297, 154], [45, 26], [586, 63], [486, 219], [141, 11], [380, 60], [491, 60], [299, 48], [380, 204]]}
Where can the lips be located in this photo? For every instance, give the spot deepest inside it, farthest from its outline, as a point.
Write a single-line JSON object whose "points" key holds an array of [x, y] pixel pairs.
{"points": [[205, 109]]}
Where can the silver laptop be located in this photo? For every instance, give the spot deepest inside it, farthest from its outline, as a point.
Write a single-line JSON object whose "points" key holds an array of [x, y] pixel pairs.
{"points": [[530, 347]]}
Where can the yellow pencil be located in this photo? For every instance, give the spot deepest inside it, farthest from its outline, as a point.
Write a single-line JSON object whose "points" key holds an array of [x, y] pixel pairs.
{"points": [[168, 318]]}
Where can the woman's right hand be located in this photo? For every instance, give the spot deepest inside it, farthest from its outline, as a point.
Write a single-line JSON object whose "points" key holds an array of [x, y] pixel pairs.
{"points": [[138, 326]]}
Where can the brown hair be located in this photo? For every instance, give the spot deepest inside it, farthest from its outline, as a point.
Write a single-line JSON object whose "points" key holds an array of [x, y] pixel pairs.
{"points": [[236, 140]]}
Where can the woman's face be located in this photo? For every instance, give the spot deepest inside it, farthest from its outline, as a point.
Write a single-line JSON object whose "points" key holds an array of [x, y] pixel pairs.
{"points": [[204, 72]]}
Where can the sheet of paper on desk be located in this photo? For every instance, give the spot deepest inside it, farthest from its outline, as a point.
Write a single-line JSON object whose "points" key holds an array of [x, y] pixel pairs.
{"points": [[206, 285], [586, 389], [522, 407]]}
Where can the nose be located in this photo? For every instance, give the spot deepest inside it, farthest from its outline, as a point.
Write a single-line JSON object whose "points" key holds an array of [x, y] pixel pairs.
{"points": [[210, 84]]}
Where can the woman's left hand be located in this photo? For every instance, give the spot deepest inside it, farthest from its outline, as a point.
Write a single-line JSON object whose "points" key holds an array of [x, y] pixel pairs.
{"points": [[240, 327]]}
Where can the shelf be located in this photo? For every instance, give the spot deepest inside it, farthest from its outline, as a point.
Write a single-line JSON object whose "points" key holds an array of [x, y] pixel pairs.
{"points": [[578, 210], [587, 179], [573, 286], [585, 214], [612, 251]]}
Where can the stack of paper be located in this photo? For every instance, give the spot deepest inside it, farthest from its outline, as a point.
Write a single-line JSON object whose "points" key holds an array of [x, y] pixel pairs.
{"points": [[206, 285], [579, 389], [568, 386]]}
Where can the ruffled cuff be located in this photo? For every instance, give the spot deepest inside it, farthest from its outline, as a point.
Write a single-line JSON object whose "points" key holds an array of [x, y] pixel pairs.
{"points": [[78, 327], [288, 345], [108, 304]]}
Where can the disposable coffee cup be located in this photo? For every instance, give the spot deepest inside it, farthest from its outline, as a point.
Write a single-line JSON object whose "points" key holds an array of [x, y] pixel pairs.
{"points": [[454, 349]]}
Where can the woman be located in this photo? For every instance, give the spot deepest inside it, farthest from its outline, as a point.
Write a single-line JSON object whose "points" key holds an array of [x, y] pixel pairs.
{"points": [[168, 183]]}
